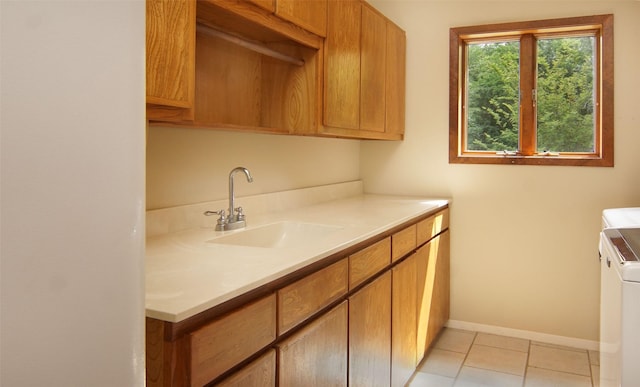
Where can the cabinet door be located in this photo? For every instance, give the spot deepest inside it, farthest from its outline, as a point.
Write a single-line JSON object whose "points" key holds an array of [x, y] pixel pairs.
{"points": [[342, 65], [317, 354], [433, 290], [440, 300], [261, 372], [370, 334], [372, 69], [171, 30], [395, 80], [309, 14], [403, 334]]}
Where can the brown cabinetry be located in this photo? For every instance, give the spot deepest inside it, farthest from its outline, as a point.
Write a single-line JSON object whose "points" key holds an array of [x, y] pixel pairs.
{"points": [[370, 334], [433, 290], [309, 14], [303, 298], [264, 66], [362, 319], [233, 65], [395, 87], [170, 56], [403, 320], [369, 261], [403, 242], [220, 345], [261, 372], [316, 355], [268, 5], [363, 94], [342, 65]]}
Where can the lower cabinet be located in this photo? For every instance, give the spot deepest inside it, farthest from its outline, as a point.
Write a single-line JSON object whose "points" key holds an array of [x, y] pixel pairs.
{"points": [[370, 334], [403, 320], [366, 320], [261, 372], [433, 290], [316, 355]]}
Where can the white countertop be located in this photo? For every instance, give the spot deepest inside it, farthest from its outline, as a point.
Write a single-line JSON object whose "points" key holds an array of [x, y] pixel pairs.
{"points": [[187, 274]]}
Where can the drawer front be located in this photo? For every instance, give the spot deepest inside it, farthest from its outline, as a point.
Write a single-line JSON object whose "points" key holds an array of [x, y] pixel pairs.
{"points": [[369, 261], [432, 226], [403, 242], [303, 298], [227, 341]]}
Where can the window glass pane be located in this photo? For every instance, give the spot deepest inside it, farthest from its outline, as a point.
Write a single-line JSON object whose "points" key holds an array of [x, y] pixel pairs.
{"points": [[492, 96], [565, 91]]}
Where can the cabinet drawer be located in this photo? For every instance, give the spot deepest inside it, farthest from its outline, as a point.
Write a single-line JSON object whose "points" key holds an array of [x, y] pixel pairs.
{"points": [[432, 226], [303, 298], [369, 261], [227, 341], [403, 242]]}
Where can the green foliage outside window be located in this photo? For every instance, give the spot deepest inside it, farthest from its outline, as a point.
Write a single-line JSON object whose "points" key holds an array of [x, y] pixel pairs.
{"points": [[493, 94], [565, 95]]}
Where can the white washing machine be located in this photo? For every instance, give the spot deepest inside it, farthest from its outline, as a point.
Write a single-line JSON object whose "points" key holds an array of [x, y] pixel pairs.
{"points": [[620, 298]]}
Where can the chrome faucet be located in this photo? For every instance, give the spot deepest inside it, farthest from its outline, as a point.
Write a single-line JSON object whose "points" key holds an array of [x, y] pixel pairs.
{"points": [[232, 221]]}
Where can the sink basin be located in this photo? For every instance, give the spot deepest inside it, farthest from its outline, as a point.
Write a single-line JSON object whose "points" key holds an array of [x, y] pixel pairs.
{"points": [[278, 235]]}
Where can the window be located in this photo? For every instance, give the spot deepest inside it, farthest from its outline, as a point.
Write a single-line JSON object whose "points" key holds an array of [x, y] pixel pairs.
{"points": [[538, 92]]}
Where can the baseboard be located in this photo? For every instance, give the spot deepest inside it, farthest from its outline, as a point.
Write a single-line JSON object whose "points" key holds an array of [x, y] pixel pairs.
{"points": [[522, 334]]}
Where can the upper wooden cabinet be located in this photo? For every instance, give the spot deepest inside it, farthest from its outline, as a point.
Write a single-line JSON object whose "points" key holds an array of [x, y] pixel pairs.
{"points": [[269, 5], [342, 65], [266, 66], [171, 33], [309, 14], [364, 77], [395, 87], [235, 65]]}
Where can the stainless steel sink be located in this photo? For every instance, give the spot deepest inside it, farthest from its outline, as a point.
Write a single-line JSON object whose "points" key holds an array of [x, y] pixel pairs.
{"points": [[284, 234]]}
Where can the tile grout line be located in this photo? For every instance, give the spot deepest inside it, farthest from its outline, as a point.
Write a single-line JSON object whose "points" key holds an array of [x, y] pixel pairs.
{"points": [[526, 364], [590, 368], [466, 355]]}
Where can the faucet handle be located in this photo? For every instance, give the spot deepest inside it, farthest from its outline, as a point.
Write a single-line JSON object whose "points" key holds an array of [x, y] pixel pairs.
{"points": [[221, 220], [240, 217]]}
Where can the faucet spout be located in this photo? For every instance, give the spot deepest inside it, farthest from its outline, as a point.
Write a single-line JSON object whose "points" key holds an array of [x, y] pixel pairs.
{"points": [[233, 218]]}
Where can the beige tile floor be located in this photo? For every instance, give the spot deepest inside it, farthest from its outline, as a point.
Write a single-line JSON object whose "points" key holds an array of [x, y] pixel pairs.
{"points": [[469, 359]]}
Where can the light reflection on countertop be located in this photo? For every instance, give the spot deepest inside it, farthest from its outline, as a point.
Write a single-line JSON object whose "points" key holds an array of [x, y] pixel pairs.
{"points": [[186, 273]]}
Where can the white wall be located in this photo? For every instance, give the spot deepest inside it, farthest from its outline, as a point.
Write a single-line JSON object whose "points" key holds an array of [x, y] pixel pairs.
{"points": [[524, 238], [186, 166], [72, 193]]}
